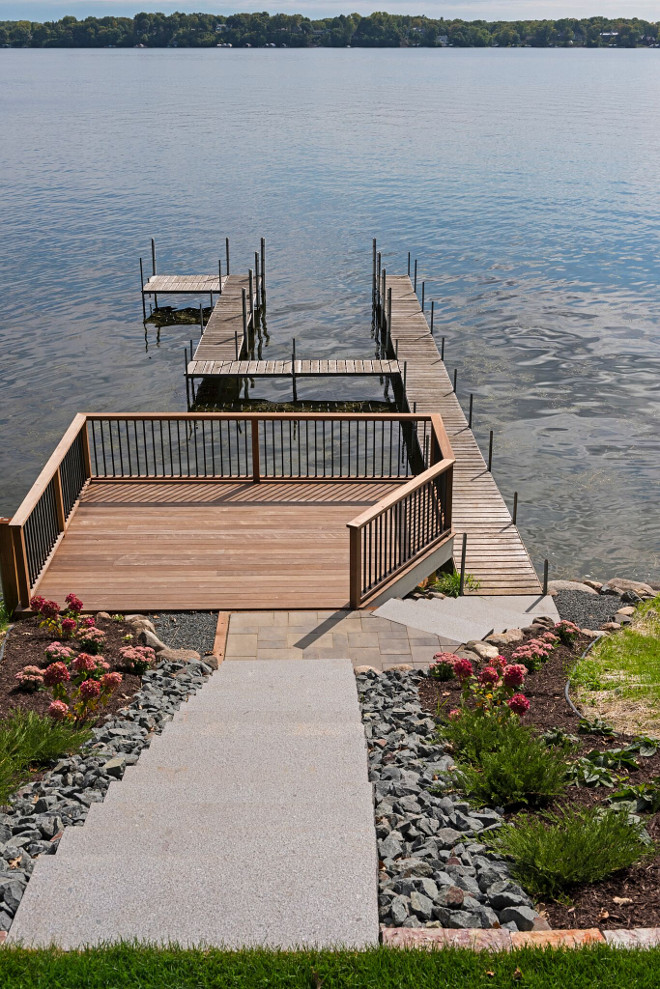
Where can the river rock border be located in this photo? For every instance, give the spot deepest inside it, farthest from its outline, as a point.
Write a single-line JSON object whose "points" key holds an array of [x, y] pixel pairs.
{"points": [[433, 873], [40, 811]]}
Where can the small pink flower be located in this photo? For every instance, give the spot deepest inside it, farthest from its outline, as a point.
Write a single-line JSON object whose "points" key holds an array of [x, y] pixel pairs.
{"points": [[56, 673], [58, 710], [463, 669], [37, 603], [69, 626], [488, 676], [454, 714], [444, 657], [518, 704], [50, 609], [89, 689], [30, 678], [110, 681], [514, 675], [84, 663], [75, 604], [57, 652]]}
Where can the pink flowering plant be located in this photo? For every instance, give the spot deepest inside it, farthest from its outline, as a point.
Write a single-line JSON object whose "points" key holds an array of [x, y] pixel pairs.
{"points": [[63, 624], [567, 632], [30, 679], [92, 639], [494, 691], [81, 689], [442, 667], [137, 659], [534, 653]]}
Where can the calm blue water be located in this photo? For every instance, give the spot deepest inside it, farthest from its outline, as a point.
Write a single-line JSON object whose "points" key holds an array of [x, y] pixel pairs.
{"points": [[526, 182]]}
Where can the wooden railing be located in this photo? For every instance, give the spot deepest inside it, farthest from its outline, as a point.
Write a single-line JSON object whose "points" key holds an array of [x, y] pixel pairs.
{"points": [[253, 447], [29, 538], [389, 538], [235, 446]]}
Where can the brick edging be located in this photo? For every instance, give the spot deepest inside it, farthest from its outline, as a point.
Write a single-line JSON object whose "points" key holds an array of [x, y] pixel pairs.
{"points": [[503, 940]]}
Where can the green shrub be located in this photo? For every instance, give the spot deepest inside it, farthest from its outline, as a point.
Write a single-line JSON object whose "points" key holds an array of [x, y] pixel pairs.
{"points": [[450, 584], [505, 763], [30, 739], [576, 845]]}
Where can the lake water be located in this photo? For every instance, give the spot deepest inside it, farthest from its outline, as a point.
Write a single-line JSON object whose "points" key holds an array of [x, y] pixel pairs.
{"points": [[527, 182]]}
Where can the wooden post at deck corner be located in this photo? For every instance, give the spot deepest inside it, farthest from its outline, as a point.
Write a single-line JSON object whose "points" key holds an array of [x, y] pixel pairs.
{"points": [[8, 567], [355, 565]]}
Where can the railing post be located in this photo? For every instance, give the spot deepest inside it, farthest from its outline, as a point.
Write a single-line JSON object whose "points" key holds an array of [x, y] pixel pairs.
{"points": [[22, 574], [256, 468], [8, 567], [355, 565], [463, 553], [59, 500], [84, 440]]}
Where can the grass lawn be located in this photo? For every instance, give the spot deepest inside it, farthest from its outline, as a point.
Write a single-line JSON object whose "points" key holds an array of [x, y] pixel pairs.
{"points": [[619, 680], [383, 968]]}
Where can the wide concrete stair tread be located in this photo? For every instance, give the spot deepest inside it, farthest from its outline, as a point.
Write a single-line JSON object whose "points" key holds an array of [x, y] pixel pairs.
{"points": [[291, 898], [231, 829], [470, 617]]}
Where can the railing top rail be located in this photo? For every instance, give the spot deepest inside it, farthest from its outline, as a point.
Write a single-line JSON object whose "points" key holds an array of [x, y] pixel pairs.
{"points": [[26, 507], [249, 416], [401, 492]]}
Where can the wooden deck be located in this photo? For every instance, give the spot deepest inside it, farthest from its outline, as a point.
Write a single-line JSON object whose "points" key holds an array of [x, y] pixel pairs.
{"points": [[299, 369], [210, 545], [182, 284], [496, 554]]}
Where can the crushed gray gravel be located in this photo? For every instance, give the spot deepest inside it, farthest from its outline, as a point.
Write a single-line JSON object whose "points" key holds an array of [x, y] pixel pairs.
{"points": [[587, 610], [187, 629]]}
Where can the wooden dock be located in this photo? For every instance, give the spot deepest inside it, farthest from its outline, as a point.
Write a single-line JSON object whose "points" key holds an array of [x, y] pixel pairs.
{"points": [[183, 285], [291, 368], [223, 337], [496, 554]]}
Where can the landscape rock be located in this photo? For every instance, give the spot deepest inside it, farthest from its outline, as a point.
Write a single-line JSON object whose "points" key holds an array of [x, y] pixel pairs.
{"points": [[509, 638], [554, 586], [483, 649], [147, 638], [523, 917], [619, 585]]}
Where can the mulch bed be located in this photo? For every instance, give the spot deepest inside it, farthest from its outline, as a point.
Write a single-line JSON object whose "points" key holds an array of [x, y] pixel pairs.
{"points": [[592, 905], [25, 646]]}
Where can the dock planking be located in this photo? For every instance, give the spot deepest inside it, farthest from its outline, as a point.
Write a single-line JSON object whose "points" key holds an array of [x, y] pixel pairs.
{"points": [[299, 368], [496, 555], [183, 284]]}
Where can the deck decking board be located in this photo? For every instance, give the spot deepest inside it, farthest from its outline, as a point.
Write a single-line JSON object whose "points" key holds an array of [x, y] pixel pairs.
{"points": [[496, 554], [177, 546]]}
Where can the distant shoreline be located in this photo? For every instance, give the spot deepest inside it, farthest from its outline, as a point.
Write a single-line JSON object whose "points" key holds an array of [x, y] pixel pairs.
{"points": [[378, 30]]}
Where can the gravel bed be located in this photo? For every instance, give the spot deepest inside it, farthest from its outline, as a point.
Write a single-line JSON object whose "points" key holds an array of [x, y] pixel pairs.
{"points": [[39, 812], [187, 629], [587, 610], [432, 873]]}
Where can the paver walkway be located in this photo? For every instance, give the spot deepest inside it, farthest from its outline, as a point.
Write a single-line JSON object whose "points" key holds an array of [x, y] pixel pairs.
{"points": [[249, 821], [365, 639]]}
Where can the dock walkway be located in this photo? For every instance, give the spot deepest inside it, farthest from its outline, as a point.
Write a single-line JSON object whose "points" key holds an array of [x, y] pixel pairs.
{"points": [[496, 554], [291, 368]]}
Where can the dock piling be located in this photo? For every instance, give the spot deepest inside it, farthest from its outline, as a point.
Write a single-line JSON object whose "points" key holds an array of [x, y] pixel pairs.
{"points": [[251, 287], [415, 278], [442, 350], [514, 515], [227, 252], [432, 314], [405, 376], [293, 370], [185, 366], [461, 587], [423, 285], [373, 273], [257, 283], [244, 300], [263, 275], [455, 378], [220, 276], [545, 577], [236, 343], [388, 338], [470, 412], [490, 452], [408, 264], [201, 320], [144, 305], [153, 267]]}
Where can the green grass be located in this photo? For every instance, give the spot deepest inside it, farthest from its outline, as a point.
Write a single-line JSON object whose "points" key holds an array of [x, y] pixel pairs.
{"points": [[505, 764], [554, 853], [624, 668], [5, 617], [135, 967], [30, 740]]}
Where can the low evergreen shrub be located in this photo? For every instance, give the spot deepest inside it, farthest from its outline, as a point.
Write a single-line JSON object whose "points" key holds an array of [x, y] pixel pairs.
{"points": [[557, 851], [29, 739]]}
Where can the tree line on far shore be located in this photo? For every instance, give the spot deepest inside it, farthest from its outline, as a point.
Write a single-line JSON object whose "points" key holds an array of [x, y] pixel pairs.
{"points": [[379, 30]]}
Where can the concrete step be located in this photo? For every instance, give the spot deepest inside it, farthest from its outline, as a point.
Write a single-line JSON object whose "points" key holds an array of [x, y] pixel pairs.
{"points": [[294, 896], [471, 617], [227, 833]]}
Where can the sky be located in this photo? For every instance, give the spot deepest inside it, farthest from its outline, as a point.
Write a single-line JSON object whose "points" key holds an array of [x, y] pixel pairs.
{"points": [[41, 10]]}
